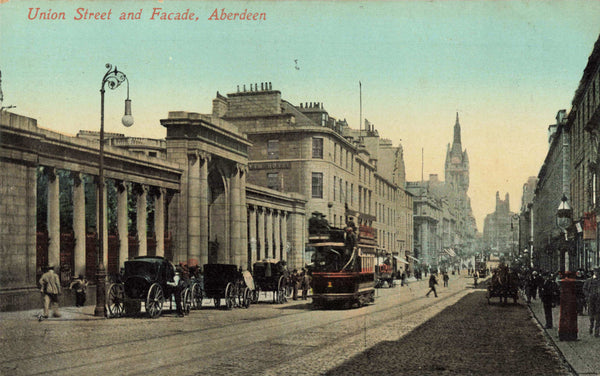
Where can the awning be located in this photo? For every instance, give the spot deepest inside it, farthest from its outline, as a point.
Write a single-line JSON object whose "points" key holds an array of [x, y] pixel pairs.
{"points": [[399, 259], [450, 252], [414, 258]]}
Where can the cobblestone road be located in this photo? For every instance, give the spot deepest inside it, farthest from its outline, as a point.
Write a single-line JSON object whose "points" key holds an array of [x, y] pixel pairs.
{"points": [[266, 339]]}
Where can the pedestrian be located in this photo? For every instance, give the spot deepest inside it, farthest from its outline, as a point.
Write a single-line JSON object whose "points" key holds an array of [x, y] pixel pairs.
{"points": [[475, 278], [79, 284], [50, 288], [594, 303], [176, 285], [446, 279], [547, 296], [294, 279], [305, 284], [404, 279], [432, 283]]}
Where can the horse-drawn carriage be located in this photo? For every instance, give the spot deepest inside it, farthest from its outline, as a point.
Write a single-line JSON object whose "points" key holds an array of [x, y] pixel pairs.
{"points": [[270, 275], [225, 281], [504, 284], [147, 279]]}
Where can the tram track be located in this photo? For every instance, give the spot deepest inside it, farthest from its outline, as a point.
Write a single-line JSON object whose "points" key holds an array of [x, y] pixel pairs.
{"points": [[211, 340], [308, 350]]}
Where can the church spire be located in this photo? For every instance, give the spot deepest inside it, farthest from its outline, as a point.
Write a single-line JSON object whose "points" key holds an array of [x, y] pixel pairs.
{"points": [[457, 131]]}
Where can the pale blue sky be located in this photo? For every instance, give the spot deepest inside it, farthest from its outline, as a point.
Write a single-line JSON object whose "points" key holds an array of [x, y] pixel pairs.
{"points": [[506, 66]]}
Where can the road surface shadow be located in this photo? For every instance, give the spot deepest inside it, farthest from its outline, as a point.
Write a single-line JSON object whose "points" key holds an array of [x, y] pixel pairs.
{"points": [[467, 338]]}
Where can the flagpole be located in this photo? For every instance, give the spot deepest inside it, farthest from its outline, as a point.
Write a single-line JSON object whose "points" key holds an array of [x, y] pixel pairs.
{"points": [[360, 120]]}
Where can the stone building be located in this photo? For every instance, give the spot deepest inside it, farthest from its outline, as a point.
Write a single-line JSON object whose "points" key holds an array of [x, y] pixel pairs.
{"points": [[583, 126], [499, 229], [444, 221], [549, 246], [302, 149], [187, 195], [525, 240], [571, 169], [428, 212]]}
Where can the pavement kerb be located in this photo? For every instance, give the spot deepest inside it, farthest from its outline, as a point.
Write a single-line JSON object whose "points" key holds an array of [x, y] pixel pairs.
{"points": [[580, 355]]}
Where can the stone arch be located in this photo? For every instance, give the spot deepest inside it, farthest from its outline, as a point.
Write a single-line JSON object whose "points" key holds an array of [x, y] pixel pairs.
{"points": [[218, 215]]}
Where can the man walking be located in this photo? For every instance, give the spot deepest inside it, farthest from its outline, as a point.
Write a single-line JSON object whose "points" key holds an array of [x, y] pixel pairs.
{"points": [[594, 303], [50, 290], [547, 296], [432, 283]]}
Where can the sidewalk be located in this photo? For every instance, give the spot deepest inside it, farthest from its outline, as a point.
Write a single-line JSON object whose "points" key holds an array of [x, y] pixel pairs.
{"points": [[584, 354]]}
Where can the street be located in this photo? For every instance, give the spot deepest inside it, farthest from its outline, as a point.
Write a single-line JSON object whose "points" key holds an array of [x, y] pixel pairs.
{"points": [[266, 339]]}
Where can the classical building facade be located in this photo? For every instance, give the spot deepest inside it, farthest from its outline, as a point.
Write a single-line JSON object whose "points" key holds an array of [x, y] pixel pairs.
{"points": [[302, 149], [185, 198]]}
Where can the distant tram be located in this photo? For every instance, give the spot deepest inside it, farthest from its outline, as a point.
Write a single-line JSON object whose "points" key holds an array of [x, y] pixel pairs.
{"points": [[343, 264]]}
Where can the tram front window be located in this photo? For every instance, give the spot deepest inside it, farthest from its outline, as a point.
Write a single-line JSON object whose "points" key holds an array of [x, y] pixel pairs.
{"points": [[327, 259]]}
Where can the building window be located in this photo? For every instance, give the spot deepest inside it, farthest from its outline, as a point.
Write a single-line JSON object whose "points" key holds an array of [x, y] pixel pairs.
{"points": [[317, 148], [334, 153], [273, 180], [273, 149], [317, 185], [334, 185]]}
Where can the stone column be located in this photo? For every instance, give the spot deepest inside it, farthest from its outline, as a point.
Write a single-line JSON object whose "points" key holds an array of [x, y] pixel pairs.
{"points": [[159, 221], [122, 222], [193, 202], [203, 180], [260, 249], [243, 215], [284, 238], [142, 218], [53, 220], [234, 216], [297, 239], [269, 240], [277, 235], [252, 235], [79, 222]]}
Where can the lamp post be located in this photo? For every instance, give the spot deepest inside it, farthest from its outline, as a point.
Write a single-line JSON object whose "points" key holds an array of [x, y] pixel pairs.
{"points": [[113, 78], [564, 220]]}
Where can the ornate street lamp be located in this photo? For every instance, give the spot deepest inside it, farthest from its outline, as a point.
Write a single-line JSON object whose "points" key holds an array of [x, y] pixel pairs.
{"points": [[114, 78], [564, 215], [564, 219]]}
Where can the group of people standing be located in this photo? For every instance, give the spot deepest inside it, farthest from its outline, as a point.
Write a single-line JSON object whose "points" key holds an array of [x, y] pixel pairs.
{"points": [[299, 281], [547, 286]]}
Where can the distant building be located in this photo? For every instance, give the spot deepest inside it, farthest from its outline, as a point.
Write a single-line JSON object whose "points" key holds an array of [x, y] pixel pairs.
{"points": [[500, 229], [444, 223]]}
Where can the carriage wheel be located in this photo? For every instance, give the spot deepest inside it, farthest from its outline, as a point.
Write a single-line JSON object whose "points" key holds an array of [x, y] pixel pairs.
{"points": [[115, 298], [230, 295], [281, 297], [217, 302], [154, 301], [186, 300], [247, 298], [196, 296]]}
